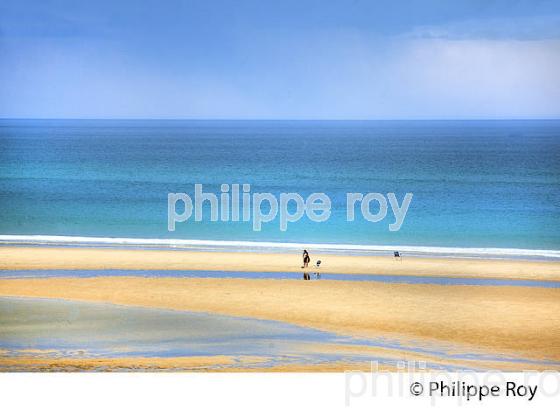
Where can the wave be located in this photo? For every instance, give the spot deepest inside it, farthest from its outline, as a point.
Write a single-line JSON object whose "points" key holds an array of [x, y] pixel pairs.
{"points": [[218, 245]]}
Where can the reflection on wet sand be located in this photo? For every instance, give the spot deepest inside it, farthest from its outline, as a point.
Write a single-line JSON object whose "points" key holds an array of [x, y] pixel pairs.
{"points": [[47, 334]]}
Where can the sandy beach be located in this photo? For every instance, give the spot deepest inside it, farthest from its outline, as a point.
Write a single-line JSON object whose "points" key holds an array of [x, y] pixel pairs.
{"points": [[85, 258], [515, 321], [521, 321]]}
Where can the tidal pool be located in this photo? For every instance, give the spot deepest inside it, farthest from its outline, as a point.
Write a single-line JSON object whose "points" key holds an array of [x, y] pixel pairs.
{"points": [[66, 329], [418, 280]]}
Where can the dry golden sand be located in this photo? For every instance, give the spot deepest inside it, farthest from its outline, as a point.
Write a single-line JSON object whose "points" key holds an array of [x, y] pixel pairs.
{"points": [[522, 321], [73, 258]]}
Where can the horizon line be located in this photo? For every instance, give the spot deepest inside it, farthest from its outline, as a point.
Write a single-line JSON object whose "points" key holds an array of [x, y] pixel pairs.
{"points": [[278, 119]]}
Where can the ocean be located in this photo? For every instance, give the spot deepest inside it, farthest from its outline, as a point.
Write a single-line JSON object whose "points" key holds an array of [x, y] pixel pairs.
{"points": [[475, 184]]}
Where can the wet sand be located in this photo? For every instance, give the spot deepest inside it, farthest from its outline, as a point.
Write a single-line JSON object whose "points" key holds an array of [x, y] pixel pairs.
{"points": [[191, 364], [41, 334], [516, 321], [19, 258]]}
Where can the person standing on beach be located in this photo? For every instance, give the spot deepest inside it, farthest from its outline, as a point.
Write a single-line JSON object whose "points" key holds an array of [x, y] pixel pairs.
{"points": [[306, 259]]}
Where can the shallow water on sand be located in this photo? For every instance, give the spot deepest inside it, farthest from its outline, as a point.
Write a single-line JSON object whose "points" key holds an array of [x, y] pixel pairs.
{"points": [[315, 275], [63, 329]]}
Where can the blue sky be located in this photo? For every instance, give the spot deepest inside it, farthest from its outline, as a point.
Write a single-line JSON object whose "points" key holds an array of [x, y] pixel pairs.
{"points": [[290, 59]]}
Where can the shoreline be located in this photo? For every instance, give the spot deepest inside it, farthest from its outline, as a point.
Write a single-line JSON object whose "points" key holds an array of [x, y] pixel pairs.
{"points": [[280, 247], [68, 258]]}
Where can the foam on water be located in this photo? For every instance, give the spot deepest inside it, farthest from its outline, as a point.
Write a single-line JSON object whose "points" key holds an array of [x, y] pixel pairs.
{"points": [[194, 244]]}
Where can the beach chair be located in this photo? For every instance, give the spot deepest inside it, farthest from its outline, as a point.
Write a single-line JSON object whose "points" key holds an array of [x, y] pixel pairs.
{"points": [[397, 255]]}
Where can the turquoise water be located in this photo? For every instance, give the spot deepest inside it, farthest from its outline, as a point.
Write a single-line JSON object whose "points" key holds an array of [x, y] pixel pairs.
{"points": [[475, 183]]}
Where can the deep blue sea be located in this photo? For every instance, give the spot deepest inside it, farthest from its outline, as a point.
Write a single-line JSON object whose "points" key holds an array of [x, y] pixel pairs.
{"points": [[475, 183]]}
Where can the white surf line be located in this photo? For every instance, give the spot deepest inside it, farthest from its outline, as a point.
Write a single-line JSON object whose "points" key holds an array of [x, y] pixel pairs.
{"points": [[285, 246]]}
